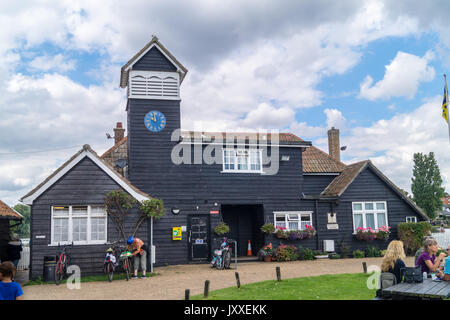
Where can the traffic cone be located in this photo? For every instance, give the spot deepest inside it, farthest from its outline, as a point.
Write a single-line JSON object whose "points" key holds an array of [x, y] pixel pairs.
{"points": [[249, 249]]}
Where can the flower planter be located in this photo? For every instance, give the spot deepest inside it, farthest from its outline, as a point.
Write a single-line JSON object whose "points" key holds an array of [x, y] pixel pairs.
{"points": [[321, 257], [267, 259]]}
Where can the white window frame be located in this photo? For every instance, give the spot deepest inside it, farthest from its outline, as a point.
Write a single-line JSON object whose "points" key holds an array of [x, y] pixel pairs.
{"points": [[375, 211], [70, 226], [249, 161], [409, 218], [287, 218]]}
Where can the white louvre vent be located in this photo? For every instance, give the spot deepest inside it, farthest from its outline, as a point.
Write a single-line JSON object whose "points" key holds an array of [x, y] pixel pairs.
{"points": [[154, 85]]}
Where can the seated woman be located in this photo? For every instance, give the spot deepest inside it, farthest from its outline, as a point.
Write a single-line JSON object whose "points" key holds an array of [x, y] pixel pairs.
{"points": [[445, 275], [393, 259], [427, 261]]}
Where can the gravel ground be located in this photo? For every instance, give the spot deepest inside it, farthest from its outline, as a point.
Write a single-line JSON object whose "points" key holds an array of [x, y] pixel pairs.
{"points": [[171, 281]]}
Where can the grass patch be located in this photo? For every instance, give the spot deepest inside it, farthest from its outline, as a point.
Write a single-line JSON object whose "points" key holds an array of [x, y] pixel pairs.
{"points": [[325, 287], [116, 276]]}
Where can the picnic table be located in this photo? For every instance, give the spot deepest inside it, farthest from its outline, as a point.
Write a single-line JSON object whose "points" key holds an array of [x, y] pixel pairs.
{"points": [[429, 289]]}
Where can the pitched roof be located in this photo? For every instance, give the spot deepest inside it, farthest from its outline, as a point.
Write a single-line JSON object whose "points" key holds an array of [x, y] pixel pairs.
{"points": [[86, 151], [204, 136], [113, 148], [339, 184], [315, 160], [154, 42], [8, 212]]}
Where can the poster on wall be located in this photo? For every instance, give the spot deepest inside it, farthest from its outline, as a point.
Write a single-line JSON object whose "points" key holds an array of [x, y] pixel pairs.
{"points": [[176, 233]]}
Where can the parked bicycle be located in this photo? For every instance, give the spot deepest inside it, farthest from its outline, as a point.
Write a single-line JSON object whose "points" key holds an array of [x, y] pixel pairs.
{"points": [[222, 256], [61, 265], [110, 261]]}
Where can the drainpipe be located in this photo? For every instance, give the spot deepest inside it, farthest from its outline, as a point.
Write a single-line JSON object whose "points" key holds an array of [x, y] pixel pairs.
{"points": [[151, 245], [317, 223]]}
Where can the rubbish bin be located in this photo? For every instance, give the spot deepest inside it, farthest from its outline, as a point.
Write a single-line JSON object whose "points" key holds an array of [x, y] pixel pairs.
{"points": [[49, 268]]}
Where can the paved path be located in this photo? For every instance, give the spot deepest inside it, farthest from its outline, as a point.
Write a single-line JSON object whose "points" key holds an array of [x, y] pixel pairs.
{"points": [[171, 281]]}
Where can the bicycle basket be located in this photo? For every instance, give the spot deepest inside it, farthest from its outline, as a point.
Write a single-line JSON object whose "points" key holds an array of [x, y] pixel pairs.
{"points": [[125, 255]]}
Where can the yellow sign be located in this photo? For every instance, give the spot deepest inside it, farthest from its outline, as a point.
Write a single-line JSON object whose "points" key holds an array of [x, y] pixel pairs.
{"points": [[176, 233]]}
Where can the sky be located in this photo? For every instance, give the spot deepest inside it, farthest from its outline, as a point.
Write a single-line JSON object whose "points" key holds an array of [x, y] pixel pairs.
{"points": [[373, 69]]}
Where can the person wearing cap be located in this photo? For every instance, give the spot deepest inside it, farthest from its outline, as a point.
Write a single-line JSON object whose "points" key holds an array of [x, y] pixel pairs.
{"points": [[14, 249], [139, 251]]}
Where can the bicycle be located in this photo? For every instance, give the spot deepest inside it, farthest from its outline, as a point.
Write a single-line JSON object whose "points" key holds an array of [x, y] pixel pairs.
{"points": [[61, 265], [110, 261], [222, 256]]}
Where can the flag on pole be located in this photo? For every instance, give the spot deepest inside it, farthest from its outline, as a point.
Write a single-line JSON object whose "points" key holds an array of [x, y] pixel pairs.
{"points": [[445, 102]]}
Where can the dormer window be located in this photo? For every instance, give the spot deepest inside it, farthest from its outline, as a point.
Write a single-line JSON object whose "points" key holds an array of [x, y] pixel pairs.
{"points": [[154, 85], [242, 160]]}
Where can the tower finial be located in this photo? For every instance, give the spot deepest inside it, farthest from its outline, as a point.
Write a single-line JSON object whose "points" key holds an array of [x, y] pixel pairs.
{"points": [[154, 37]]}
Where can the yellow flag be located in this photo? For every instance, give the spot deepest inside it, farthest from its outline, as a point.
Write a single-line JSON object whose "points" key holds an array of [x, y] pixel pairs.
{"points": [[445, 102]]}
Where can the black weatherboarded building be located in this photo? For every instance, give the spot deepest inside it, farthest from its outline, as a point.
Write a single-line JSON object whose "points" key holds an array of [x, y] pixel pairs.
{"points": [[244, 179]]}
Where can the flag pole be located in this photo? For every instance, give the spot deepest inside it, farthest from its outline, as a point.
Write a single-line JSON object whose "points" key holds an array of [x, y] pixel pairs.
{"points": [[447, 103]]}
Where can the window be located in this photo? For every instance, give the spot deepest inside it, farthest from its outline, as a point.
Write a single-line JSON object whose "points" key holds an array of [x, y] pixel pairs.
{"points": [[80, 224], [293, 220], [369, 215], [411, 219], [242, 160]]}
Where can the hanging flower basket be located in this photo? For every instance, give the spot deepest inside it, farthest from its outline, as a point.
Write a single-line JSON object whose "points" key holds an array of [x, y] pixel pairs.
{"points": [[369, 234], [282, 233]]}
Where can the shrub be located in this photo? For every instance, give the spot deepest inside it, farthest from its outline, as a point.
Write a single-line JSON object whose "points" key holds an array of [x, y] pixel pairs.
{"points": [[268, 228], [335, 256], [286, 253], [372, 252], [412, 235], [345, 250], [222, 228], [358, 254], [306, 254]]}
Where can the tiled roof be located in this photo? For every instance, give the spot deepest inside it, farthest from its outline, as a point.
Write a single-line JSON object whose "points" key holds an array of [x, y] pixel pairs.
{"points": [[7, 212], [113, 148], [341, 182], [315, 160], [287, 138]]}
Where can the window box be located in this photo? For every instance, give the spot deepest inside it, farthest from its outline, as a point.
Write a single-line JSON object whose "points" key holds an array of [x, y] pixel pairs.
{"points": [[294, 225]]}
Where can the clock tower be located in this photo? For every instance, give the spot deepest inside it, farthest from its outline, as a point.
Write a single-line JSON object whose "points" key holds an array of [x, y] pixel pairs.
{"points": [[152, 78]]}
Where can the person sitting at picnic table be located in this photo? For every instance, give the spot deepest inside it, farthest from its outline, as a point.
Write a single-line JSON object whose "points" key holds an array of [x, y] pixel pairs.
{"points": [[420, 250], [445, 274], [427, 261], [393, 259], [139, 251]]}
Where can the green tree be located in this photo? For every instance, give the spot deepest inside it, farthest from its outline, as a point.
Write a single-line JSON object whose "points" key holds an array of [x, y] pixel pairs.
{"points": [[23, 229], [426, 184]]}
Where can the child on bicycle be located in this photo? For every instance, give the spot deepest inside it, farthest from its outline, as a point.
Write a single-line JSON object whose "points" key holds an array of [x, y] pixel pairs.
{"points": [[9, 290], [139, 251]]}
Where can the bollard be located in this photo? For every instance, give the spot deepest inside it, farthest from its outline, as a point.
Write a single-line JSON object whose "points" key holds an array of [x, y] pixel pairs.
{"points": [[206, 291], [186, 294], [278, 274], [238, 281], [364, 267]]}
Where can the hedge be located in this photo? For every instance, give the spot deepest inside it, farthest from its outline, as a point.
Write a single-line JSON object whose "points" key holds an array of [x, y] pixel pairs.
{"points": [[412, 235]]}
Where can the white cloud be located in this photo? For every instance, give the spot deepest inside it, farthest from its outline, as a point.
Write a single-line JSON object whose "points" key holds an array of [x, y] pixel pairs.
{"points": [[58, 63], [401, 79], [391, 143], [268, 117]]}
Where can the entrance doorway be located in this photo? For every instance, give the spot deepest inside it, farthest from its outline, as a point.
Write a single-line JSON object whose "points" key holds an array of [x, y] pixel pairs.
{"points": [[245, 223], [198, 227]]}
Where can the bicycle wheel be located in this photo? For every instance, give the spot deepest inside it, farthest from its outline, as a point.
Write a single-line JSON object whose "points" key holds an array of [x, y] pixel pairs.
{"points": [[58, 272], [126, 266], [109, 271], [219, 263], [227, 260]]}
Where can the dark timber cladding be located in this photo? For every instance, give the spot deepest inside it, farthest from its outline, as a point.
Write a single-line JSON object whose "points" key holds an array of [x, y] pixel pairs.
{"points": [[84, 184]]}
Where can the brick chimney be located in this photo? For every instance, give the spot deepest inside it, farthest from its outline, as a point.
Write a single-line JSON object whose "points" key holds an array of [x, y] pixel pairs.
{"points": [[334, 148], [119, 132]]}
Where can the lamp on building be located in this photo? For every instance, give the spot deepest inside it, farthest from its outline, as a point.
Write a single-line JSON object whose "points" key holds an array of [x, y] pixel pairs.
{"points": [[175, 210]]}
